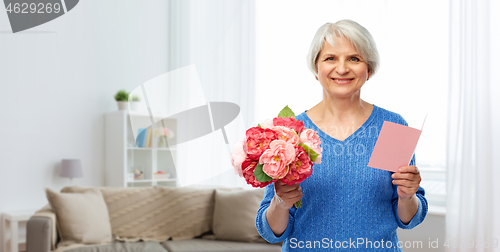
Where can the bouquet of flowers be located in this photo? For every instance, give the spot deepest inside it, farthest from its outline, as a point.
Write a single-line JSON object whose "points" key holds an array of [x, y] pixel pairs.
{"points": [[281, 149]]}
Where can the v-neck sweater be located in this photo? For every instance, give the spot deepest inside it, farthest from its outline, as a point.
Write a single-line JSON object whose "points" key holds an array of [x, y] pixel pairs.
{"points": [[346, 205]]}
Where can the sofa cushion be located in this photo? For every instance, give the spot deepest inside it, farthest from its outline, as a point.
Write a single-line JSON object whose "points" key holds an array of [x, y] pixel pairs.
{"points": [[118, 247], [81, 217], [200, 245], [157, 213], [234, 214]]}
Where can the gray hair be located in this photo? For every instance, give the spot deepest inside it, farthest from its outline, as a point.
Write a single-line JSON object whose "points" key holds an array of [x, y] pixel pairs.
{"points": [[355, 33]]}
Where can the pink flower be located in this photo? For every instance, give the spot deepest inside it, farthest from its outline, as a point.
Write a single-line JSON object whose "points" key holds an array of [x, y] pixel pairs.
{"points": [[286, 134], [310, 138], [289, 122], [277, 158], [267, 124], [237, 157], [248, 168], [300, 168], [257, 141]]}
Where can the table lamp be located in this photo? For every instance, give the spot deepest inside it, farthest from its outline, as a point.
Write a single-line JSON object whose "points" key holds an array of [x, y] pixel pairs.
{"points": [[71, 168]]}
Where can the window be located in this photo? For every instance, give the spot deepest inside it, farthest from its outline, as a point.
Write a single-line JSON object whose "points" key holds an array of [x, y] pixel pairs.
{"points": [[412, 80]]}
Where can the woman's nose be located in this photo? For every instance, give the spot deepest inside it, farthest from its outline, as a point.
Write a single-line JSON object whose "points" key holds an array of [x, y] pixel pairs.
{"points": [[342, 68]]}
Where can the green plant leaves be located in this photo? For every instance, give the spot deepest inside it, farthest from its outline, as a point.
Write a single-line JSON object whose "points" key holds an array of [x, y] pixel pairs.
{"points": [[121, 95], [260, 175], [286, 112], [312, 154], [298, 204], [136, 98]]}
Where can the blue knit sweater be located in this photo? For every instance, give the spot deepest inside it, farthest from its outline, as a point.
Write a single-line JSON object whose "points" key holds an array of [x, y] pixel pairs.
{"points": [[346, 204]]}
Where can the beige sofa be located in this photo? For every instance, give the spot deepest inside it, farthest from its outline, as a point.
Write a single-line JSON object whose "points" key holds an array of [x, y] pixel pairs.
{"points": [[85, 219]]}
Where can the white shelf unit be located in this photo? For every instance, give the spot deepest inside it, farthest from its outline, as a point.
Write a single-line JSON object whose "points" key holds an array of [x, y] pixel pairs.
{"points": [[122, 155]]}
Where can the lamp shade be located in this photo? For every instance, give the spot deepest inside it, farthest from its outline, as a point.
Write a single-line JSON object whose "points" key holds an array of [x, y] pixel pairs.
{"points": [[71, 168]]}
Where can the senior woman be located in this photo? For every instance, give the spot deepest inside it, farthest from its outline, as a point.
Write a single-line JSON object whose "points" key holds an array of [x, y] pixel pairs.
{"points": [[346, 204]]}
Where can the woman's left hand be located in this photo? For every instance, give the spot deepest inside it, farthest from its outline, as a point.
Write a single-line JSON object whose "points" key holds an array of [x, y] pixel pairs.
{"points": [[408, 180]]}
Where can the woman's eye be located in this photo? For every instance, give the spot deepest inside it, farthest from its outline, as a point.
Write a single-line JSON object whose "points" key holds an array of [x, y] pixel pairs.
{"points": [[330, 58], [355, 59]]}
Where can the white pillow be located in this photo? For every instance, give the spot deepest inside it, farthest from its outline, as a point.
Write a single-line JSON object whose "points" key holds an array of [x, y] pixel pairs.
{"points": [[81, 217]]}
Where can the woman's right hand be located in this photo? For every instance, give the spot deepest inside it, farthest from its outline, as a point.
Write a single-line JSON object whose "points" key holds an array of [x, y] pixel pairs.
{"points": [[286, 195]]}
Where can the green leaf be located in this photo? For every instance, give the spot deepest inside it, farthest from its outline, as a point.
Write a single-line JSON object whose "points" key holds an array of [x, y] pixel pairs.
{"points": [[258, 125], [260, 175], [286, 112], [312, 154]]}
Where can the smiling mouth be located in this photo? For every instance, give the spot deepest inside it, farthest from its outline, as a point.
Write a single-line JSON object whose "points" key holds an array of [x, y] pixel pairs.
{"points": [[342, 80]]}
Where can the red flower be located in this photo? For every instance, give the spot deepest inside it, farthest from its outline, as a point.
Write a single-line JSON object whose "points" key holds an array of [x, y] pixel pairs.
{"points": [[300, 168], [289, 122], [257, 141], [248, 167]]}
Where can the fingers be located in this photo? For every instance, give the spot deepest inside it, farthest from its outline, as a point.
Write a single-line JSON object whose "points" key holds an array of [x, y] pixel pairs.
{"points": [[414, 178], [409, 169], [408, 176], [407, 188], [290, 195], [287, 195], [407, 179], [292, 199], [408, 173], [403, 184], [284, 187]]}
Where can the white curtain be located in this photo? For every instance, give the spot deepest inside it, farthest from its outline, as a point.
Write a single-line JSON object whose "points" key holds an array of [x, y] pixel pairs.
{"points": [[218, 39], [473, 141]]}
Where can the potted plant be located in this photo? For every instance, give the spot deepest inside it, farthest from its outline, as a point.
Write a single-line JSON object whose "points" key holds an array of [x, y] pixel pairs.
{"points": [[121, 98], [136, 101]]}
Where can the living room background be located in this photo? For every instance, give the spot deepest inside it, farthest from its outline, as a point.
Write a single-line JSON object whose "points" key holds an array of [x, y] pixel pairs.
{"points": [[58, 79]]}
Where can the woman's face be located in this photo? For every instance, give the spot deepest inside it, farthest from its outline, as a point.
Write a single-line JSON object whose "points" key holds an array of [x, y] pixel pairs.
{"points": [[341, 70]]}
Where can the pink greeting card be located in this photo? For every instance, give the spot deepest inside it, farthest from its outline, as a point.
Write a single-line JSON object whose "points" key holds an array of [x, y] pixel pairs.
{"points": [[395, 147]]}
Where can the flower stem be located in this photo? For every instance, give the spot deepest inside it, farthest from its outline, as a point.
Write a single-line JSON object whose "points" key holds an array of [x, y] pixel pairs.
{"points": [[298, 204]]}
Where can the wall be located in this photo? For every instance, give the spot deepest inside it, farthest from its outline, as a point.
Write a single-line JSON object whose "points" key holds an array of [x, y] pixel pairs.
{"points": [[431, 234], [58, 79]]}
